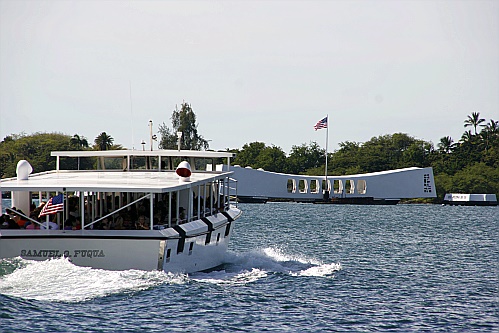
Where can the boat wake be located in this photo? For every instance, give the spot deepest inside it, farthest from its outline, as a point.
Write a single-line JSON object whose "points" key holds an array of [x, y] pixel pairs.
{"points": [[61, 281], [252, 266]]}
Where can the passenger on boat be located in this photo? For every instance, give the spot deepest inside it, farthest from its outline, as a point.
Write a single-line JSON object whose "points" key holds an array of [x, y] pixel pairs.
{"points": [[8, 223], [161, 211], [10, 211], [102, 224], [118, 223], [73, 213], [106, 224], [142, 223], [181, 215], [20, 220], [77, 224], [127, 222], [49, 225], [12, 224], [68, 224], [36, 212], [157, 219], [31, 226]]}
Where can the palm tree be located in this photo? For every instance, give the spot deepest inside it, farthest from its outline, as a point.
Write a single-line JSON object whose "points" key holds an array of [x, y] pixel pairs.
{"points": [[489, 132], [492, 127], [446, 144], [467, 137], [104, 141], [474, 120], [78, 141]]}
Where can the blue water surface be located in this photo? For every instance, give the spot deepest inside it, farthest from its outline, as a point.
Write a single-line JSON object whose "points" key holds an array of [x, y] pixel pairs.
{"points": [[291, 268]]}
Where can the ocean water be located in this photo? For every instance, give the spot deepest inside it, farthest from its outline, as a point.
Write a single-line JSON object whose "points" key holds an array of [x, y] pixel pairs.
{"points": [[291, 268]]}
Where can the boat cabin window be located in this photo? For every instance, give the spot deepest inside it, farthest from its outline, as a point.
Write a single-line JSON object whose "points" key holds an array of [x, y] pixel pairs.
{"points": [[138, 162]]}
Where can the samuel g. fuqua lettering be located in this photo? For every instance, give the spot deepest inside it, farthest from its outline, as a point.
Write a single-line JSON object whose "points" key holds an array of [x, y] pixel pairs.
{"points": [[58, 253]]}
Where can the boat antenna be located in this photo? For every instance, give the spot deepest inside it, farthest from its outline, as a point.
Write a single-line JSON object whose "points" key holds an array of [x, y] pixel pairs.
{"points": [[150, 133], [131, 115]]}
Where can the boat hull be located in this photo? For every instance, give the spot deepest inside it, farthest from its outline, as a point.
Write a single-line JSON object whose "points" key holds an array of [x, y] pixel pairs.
{"points": [[195, 246], [470, 203]]}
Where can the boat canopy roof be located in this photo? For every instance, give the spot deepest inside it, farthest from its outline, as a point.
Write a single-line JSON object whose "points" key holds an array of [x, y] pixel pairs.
{"points": [[109, 181], [154, 153]]}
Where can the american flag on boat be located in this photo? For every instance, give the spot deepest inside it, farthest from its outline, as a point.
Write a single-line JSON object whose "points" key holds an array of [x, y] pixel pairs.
{"points": [[321, 124], [54, 205]]}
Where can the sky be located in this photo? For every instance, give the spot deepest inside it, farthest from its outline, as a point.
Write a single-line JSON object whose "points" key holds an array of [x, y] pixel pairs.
{"points": [[262, 71]]}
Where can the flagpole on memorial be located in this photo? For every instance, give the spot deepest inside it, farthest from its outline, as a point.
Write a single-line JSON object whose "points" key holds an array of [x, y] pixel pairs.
{"points": [[327, 139], [323, 123], [325, 171]]}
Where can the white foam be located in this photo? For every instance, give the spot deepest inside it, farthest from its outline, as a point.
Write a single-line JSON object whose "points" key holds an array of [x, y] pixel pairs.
{"points": [[227, 278], [325, 270], [254, 265], [278, 255], [60, 280]]}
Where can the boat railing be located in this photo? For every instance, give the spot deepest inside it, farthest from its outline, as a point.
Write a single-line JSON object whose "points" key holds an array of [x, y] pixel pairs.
{"points": [[115, 211], [232, 192], [35, 174], [27, 217]]}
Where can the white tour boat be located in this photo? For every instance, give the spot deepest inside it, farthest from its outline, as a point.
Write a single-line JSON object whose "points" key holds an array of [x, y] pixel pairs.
{"points": [[470, 199], [190, 210]]}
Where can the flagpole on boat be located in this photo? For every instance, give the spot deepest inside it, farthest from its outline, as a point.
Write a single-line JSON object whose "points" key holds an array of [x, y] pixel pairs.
{"points": [[131, 114]]}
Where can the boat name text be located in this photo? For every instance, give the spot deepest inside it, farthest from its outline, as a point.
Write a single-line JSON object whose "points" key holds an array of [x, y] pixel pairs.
{"points": [[66, 253]]}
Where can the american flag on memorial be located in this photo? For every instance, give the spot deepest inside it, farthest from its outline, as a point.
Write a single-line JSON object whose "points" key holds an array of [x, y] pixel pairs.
{"points": [[321, 124], [54, 205]]}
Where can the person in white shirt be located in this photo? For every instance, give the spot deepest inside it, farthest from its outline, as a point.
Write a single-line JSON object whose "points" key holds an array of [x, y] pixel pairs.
{"points": [[50, 225]]}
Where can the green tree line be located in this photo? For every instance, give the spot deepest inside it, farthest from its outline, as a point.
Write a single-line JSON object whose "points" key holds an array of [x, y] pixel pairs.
{"points": [[470, 165], [36, 148]]}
